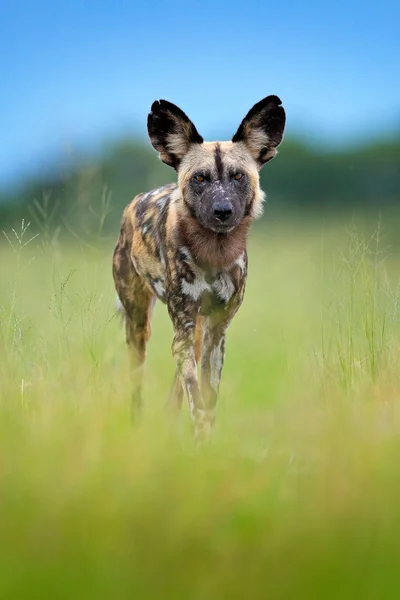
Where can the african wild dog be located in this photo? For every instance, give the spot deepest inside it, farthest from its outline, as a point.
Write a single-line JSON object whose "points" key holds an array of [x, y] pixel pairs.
{"points": [[185, 243]]}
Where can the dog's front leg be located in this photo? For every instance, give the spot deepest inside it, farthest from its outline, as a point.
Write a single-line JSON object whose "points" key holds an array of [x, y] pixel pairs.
{"points": [[174, 401], [183, 350], [212, 362]]}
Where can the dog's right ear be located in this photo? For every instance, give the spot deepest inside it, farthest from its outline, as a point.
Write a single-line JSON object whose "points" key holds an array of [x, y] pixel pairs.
{"points": [[171, 132]]}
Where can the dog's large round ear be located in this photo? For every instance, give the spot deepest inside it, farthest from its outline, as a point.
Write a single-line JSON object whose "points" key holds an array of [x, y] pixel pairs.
{"points": [[262, 129], [171, 132]]}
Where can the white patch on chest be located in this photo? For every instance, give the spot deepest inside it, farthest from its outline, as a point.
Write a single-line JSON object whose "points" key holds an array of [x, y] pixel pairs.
{"points": [[223, 287], [195, 289]]}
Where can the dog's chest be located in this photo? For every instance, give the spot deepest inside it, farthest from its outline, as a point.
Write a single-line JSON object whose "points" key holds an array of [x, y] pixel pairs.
{"points": [[213, 291], [209, 291]]}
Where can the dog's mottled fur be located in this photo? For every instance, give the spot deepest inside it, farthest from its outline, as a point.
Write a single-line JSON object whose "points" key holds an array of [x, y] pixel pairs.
{"points": [[185, 244]]}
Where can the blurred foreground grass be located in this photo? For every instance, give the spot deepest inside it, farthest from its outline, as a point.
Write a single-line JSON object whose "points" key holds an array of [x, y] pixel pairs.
{"points": [[297, 496]]}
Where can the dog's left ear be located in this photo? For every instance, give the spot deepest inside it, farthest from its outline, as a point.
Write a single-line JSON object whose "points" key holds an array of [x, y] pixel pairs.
{"points": [[171, 132], [262, 129]]}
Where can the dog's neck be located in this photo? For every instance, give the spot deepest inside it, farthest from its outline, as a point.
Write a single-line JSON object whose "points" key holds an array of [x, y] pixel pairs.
{"points": [[210, 250]]}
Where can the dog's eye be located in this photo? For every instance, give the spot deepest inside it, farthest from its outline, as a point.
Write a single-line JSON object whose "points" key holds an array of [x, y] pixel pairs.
{"points": [[199, 178], [238, 176]]}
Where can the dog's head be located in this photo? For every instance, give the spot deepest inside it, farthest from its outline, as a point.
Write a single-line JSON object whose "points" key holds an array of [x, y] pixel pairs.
{"points": [[219, 181]]}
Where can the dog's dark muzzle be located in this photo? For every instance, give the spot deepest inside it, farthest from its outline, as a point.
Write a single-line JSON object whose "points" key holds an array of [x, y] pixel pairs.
{"points": [[222, 211]]}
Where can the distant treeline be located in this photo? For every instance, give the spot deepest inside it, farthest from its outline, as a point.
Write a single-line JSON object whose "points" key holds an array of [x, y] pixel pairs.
{"points": [[90, 196]]}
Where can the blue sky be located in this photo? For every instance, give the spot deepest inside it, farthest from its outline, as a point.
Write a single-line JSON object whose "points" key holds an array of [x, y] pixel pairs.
{"points": [[79, 72]]}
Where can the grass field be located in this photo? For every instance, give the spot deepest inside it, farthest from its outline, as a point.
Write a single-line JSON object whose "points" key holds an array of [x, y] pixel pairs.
{"points": [[298, 493]]}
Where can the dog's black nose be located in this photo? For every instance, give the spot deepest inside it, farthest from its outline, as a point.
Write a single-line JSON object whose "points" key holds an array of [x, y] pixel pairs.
{"points": [[222, 211]]}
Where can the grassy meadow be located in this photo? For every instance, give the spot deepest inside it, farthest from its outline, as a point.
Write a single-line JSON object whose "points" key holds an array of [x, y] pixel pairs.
{"points": [[298, 493]]}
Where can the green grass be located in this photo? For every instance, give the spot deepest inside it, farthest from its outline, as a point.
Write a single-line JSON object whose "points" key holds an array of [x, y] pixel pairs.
{"points": [[297, 495]]}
